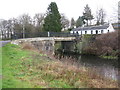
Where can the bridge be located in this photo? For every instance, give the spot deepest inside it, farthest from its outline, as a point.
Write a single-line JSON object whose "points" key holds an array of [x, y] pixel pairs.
{"points": [[45, 41], [47, 44]]}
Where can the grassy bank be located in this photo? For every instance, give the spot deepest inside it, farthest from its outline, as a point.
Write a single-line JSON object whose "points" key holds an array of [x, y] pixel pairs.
{"points": [[29, 69], [0, 68]]}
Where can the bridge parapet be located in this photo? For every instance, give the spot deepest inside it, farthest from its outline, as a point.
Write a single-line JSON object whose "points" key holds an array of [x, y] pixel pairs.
{"points": [[44, 44]]}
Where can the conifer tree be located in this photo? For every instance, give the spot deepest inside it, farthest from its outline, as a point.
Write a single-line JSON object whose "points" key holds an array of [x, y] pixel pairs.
{"points": [[80, 21], [72, 23], [87, 14], [52, 21]]}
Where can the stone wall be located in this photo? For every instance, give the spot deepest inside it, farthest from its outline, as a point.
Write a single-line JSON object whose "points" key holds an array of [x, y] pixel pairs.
{"points": [[46, 46]]}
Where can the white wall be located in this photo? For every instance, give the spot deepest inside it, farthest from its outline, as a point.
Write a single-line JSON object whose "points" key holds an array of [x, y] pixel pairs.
{"points": [[110, 28]]}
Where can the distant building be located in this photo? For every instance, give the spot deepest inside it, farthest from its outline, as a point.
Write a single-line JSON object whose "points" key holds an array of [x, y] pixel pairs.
{"points": [[93, 29], [116, 26]]}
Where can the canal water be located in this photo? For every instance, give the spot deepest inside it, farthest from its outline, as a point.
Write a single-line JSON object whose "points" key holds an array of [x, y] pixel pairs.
{"points": [[107, 68]]}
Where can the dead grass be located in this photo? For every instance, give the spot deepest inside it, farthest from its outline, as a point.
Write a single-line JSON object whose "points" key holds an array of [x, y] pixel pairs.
{"points": [[91, 77], [74, 76], [28, 46], [44, 70]]}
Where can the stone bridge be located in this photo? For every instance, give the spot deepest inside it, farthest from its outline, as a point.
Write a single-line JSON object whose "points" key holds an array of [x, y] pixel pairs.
{"points": [[47, 44]]}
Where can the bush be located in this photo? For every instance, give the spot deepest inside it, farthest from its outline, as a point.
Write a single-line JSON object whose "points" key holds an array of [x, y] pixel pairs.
{"points": [[90, 50], [105, 44]]}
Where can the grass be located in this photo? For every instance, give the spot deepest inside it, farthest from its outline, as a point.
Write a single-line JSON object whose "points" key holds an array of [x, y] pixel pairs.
{"points": [[25, 68], [0, 68]]}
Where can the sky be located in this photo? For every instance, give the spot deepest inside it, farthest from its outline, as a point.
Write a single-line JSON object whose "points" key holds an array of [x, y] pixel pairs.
{"points": [[71, 8]]}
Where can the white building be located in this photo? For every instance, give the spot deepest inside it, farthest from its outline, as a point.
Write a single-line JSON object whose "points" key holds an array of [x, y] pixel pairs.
{"points": [[93, 29]]}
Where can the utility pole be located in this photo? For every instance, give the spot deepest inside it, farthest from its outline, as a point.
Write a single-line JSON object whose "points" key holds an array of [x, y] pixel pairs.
{"points": [[23, 30]]}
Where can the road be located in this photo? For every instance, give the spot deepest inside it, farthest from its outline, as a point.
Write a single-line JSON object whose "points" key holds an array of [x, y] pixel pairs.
{"points": [[2, 43]]}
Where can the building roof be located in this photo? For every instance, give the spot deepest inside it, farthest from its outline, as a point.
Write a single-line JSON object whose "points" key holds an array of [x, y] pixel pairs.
{"points": [[91, 28]]}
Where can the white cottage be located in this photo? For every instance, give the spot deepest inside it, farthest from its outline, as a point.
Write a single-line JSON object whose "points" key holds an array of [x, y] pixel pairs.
{"points": [[93, 29]]}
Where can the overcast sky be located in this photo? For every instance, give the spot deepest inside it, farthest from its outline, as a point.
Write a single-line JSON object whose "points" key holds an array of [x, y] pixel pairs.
{"points": [[71, 8]]}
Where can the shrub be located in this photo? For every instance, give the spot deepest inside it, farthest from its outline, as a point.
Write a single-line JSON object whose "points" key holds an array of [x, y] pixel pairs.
{"points": [[105, 44], [90, 50]]}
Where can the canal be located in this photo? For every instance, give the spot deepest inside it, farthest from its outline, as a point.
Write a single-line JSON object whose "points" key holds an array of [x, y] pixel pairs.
{"points": [[107, 68]]}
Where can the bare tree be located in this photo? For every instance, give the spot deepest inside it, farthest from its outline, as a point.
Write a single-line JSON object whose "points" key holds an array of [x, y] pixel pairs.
{"points": [[100, 16], [119, 12], [3, 27], [39, 17], [65, 22], [26, 22], [38, 21]]}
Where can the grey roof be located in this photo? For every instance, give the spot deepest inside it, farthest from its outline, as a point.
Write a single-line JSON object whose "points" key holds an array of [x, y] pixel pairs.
{"points": [[91, 28]]}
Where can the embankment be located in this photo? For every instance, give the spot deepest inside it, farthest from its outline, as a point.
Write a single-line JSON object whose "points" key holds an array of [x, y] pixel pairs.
{"points": [[25, 67]]}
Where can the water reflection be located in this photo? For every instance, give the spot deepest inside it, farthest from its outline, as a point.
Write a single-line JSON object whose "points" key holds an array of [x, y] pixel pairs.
{"points": [[104, 67]]}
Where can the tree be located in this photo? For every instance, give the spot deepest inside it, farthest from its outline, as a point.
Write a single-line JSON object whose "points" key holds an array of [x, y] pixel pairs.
{"points": [[17, 26], [119, 12], [6, 28], [100, 16], [52, 21], [26, 23], [80, 21], [72, 23], [9, 28], [87, 14], [3, 28], [65, 22], [38, 22]]}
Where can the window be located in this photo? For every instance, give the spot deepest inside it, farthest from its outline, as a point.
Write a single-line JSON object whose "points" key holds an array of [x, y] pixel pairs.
{"points": [[85, 32], [91, 32], [96, 31], [101, 31]]}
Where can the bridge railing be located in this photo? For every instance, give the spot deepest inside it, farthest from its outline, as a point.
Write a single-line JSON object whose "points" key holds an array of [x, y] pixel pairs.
{"points": [[43, 34]]}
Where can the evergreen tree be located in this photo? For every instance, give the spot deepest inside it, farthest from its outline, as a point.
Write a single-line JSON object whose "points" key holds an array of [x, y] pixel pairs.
{"points": [[72, 23], [80, 21], [87, 14], [52, 21]]}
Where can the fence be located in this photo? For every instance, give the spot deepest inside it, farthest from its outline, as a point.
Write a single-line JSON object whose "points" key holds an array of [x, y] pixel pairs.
{"points": [[42, 34]]}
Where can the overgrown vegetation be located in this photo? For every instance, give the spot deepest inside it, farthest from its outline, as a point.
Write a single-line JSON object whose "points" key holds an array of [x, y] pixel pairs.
{"points": [[24, 67], [105, 45]]}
